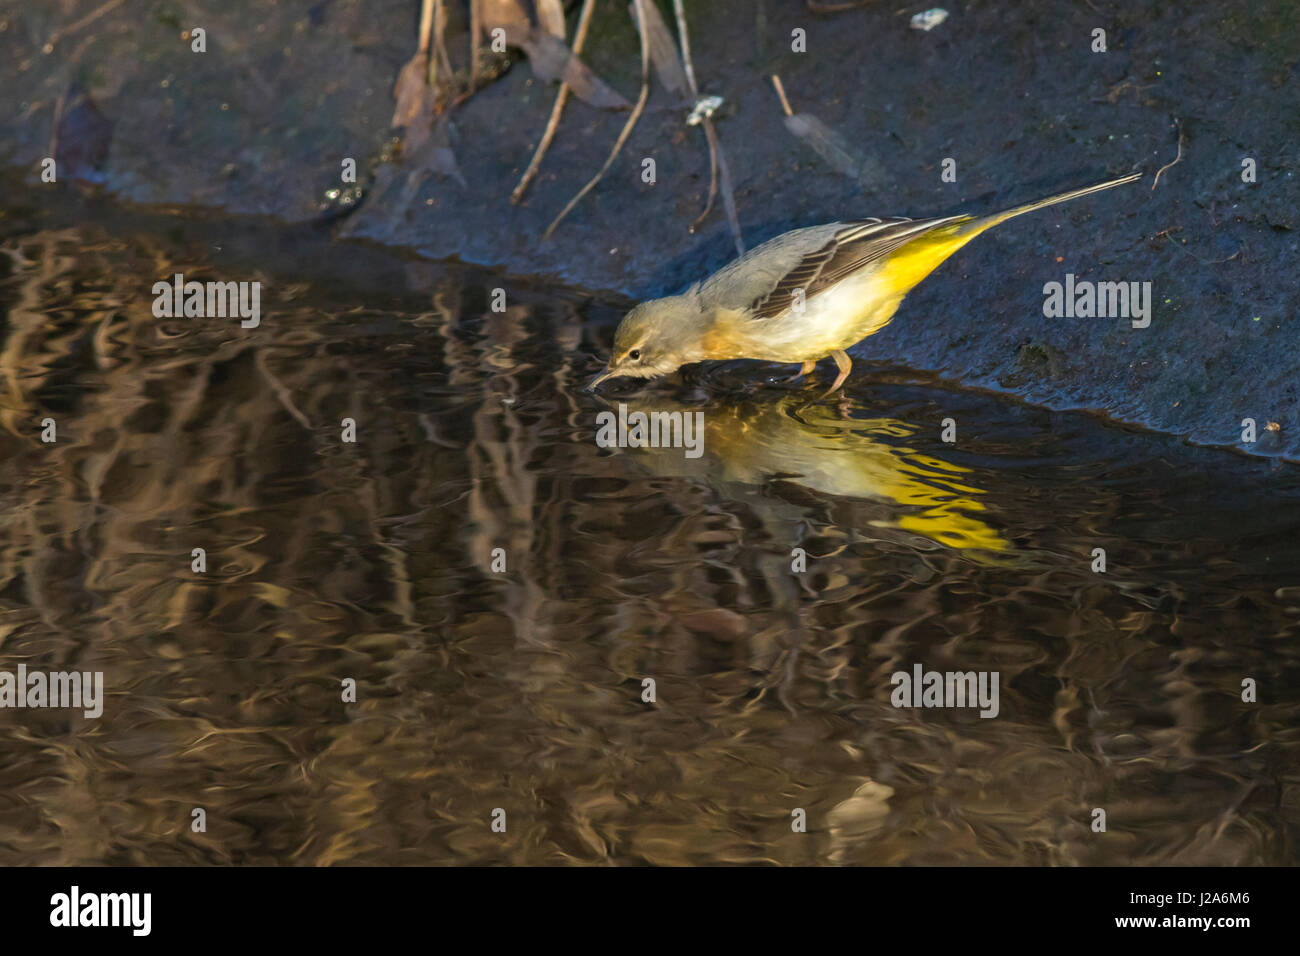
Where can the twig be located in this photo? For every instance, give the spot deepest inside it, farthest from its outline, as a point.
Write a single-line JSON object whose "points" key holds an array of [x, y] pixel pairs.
{"points": [[475, 27], [526, 180], [1177, 158], [780, 91], [717, 162], [713, 179], [728, 194], [440, 47], [428, 14], [684, 39], [1205, 262], [1182, 247], [627, 127], [426, 25]]}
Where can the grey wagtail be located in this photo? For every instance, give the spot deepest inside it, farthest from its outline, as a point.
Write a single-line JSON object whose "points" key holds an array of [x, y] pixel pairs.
{"points": [[803, 296]]}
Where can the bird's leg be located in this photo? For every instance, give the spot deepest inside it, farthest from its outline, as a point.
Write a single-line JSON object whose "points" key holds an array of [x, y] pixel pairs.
{"points": [[804, 369], [845, 365]]}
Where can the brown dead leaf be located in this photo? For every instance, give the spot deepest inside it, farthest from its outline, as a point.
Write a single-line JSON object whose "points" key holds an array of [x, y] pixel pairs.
{"points": [[548, 55], [414, 98], [551, 59], [664, 57], [550, 17], [506, 15], [434, 155]]}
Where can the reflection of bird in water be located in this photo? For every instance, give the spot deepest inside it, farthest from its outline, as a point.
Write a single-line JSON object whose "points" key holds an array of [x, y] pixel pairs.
{"points": [[906, 494], [749, 445]]}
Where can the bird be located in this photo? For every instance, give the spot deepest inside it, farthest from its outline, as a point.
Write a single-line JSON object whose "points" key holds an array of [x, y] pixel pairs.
{"points": [[803, 296]]}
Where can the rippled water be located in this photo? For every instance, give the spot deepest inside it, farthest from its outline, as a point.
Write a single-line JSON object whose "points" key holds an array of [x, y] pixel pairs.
{"points": [[522, 689]]}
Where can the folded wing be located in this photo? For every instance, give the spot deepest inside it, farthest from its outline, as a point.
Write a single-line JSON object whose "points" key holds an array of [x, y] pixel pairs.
{"points": [[851, 247]]}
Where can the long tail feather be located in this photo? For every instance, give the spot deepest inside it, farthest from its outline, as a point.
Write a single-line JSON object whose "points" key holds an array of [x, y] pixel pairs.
{"points": [[979, 225], [916, 259]]}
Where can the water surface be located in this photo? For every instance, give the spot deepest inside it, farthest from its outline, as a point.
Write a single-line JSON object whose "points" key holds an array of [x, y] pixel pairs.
{"points": [[522, 689]]}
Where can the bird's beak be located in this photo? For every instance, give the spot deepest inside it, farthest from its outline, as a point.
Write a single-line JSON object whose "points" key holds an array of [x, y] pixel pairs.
{"points": [[599, 378]]}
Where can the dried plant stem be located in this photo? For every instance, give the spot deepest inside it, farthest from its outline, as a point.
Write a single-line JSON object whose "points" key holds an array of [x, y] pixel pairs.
{"points": [[728, 193], [717, 162], [553, 124], [440, 46], [627, 127], [713, 179], [684, 39], [423, 34], [475, 27], [780, 91], [426, 25], [1177, 159]]}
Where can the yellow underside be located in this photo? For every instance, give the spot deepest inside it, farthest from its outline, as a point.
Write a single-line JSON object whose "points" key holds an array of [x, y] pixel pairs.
{"points": [[847, 313]]}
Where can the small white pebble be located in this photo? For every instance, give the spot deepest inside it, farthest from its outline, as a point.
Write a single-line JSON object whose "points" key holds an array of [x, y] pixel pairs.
{"points": [[929, 19], [704, 108]]}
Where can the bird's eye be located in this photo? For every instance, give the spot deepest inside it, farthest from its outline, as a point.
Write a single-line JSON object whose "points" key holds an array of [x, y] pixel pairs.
{"points": [[634, 354]]}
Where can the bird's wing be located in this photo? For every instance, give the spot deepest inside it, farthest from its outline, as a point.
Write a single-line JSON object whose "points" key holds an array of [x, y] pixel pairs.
{"points": [[849, 248], [751, 278]]}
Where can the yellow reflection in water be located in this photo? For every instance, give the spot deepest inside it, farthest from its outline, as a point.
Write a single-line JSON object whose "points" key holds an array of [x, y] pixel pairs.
{"points": [[808, 445]]}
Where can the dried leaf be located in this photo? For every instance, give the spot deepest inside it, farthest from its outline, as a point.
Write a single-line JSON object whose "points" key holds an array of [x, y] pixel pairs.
{"points": [[443, 160], [506, 15], [821, 138], [663, 53], [434, 156], [551, 59], [831, 147], [550, 17], [437, 156], [413, 94], [548, 55]]}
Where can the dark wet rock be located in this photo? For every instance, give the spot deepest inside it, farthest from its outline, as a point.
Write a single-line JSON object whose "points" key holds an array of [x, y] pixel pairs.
{"points": [[261, 122]]}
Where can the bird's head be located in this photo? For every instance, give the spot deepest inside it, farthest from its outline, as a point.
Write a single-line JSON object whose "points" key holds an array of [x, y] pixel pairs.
{"points": [[655, 338]]}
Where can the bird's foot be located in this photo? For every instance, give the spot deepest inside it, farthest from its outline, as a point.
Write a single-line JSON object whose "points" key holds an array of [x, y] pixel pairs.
{"points": [[845, 365], [804, 369]]}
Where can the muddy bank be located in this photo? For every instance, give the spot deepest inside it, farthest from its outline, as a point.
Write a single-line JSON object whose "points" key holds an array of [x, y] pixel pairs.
{"points": [[262, 120]]}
